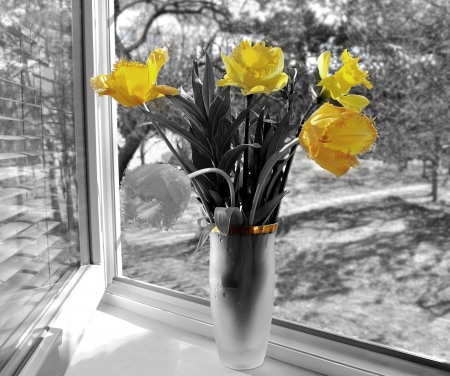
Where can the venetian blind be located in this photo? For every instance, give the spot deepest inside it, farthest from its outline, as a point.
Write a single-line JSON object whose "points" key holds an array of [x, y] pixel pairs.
{"points": [[39, 237]]}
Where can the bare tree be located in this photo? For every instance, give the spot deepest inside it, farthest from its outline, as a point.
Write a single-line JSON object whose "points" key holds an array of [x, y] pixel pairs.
{"points": [[409, 49]]}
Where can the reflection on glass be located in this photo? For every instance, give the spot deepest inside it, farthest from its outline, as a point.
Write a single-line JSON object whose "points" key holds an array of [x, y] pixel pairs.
{"points": [[366, 255], [39, 245]]}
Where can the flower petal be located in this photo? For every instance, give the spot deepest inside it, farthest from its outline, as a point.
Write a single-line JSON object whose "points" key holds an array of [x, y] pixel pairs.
{"points": [[132, 83], [256, 90], [166, 90], [335, 161], [353, 133], [235, 72], [131, 78], [331, 87], [228, 82], [155, 61], [323, 64], [357, 102], [333, 136], [255, 69], [277, 68], [276, 83]]}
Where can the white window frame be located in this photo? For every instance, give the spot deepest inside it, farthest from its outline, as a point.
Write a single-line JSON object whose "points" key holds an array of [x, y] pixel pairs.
{"points": [[308, 348], [71, 312]]}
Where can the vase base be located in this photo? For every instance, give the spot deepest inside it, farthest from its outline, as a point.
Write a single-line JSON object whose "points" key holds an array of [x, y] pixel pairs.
{"points": [[242, 361]]}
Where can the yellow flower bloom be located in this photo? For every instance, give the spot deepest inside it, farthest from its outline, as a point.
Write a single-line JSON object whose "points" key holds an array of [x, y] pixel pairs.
{"points": [[255, 69], [338, 85], [334, 136], [132, 83]]}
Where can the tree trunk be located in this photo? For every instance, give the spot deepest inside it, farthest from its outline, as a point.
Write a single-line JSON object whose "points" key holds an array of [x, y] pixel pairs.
{"points": [[436, 164], [127, 151], [142, 153], [434, 180]]}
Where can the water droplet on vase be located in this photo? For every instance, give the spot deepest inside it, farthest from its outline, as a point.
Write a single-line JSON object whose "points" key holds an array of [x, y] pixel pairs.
{"points": [[224, 294], [239, 304], [215, 297]]}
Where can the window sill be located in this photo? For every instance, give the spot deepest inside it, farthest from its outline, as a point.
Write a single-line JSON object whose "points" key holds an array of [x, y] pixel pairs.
{"points": [[120, 342], [78, 302], [298, 348]]}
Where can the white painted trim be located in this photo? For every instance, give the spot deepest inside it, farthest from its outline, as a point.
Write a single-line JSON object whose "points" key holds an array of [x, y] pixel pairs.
{"points": [[80, 298], [100, 128], [77, 302], [290, 346]]}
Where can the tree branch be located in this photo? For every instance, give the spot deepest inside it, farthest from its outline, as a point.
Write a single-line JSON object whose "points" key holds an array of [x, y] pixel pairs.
{"points": [[179, 7]]}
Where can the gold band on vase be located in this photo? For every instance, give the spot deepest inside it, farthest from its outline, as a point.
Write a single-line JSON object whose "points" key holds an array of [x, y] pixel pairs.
{"points": [[250, 230]]}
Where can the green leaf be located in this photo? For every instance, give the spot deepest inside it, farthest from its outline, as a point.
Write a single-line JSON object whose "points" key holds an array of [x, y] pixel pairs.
{"points": [[237, 122], [174, 127], [219, 108], [231, 156], [279, 136], [197, 87], [188, 166], [274, 178], [194, 116], [259, 132], [265, 146], [208, 84], [224, 124], [204, 235], [191, 111], [293, 97], [266, 170], [203, 182], [216, 197], [226, 217], [264, 211]]}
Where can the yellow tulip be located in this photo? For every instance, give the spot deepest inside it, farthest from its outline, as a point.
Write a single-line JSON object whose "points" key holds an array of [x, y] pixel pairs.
{"points": [[132, 83], [338, 85], [255, 69], [334, 136]]}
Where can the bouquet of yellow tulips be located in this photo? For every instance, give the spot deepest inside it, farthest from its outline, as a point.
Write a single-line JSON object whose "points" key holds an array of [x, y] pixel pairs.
{"points": [[239, 162]]}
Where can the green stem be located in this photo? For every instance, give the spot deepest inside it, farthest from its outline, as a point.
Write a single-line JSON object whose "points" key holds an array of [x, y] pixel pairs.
{"points": [[264, 173], [249, 100], [309, 111], [183, 165], [217, 171]]}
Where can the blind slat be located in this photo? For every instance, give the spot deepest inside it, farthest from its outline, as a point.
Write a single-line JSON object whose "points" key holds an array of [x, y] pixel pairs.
{"points": [[11, 229], [11, 211], [11, 247], [16, 263]]}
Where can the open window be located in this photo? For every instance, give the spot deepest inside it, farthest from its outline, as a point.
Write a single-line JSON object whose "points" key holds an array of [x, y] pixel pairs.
{"points": [[327, 317]]}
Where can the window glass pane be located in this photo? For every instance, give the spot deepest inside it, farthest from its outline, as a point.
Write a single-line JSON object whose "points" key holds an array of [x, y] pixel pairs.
{"points": [[39, 236], [364, 255]]}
